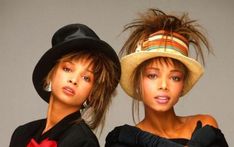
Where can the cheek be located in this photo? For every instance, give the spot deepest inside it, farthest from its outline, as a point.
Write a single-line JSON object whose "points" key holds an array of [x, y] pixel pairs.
{"points": [[57, 78], [148, 87], [178, 88], [144, 86], [89, 88], [57, 75], [85, 87]]}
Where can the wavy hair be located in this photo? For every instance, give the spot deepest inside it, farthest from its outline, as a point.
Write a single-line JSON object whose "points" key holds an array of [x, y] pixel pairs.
{"points": [[106, 80]]}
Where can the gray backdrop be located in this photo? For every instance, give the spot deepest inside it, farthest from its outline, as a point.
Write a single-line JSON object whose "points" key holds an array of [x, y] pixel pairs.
{"points": [[27, 26]]}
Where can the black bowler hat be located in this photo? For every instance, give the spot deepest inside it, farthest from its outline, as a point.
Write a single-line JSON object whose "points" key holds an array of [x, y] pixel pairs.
{"points": [[68, 39]]}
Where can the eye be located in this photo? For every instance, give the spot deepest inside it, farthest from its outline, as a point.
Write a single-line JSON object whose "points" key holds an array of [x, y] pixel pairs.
{"points": [[152, 76], [66, 69], [87, 78], [176, 78]]}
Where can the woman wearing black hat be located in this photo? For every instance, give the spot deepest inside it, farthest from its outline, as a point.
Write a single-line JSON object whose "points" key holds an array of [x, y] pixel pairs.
{"points": [[72, 77]]}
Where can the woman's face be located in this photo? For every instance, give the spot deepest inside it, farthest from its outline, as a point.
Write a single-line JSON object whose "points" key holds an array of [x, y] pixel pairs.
{"points": [[72, 82], [162, 84]]}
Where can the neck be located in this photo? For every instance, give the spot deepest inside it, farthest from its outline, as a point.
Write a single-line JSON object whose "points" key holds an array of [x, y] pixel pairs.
{"points": [[164, 124], [56, 112]]}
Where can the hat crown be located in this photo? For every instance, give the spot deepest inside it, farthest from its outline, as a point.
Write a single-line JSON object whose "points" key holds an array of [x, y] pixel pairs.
{"points": [[73, 31], [164, 41], [70, 39]]}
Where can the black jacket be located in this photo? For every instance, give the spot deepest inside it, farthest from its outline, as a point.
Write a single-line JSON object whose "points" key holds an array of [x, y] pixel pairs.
{"points": [[66, 133]]}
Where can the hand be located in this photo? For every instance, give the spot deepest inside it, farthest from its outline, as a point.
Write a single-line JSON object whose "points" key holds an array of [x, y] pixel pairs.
{"points": [[113, 136], [203, 136], [123, 134]]}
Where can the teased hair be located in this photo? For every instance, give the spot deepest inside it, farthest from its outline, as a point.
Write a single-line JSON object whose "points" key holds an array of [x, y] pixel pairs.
{"points": [[154, 20]]}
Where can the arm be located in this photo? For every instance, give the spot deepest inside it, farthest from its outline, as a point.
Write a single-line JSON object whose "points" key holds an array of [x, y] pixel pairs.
{"points": [[21, 136], [14, 138], [133, 136], [207, 136], [207, 120], [220, 141]]}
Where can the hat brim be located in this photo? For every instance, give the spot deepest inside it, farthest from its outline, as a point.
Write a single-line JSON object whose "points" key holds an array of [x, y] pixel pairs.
{"points": [[50, 57], [130, 62]]}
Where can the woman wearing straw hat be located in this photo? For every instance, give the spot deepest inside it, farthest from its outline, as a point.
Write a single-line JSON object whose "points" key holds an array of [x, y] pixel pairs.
{"points": [[72, 77], [157, 70]]}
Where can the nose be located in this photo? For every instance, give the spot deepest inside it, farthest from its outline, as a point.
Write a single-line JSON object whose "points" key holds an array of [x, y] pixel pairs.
{"points": [[163, 84], [72, 82]]}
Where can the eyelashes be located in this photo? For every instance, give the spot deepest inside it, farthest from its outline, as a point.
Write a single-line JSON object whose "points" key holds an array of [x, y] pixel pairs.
{"points": [[66, 69], [176, 78], [86, 76], [152, 76]]}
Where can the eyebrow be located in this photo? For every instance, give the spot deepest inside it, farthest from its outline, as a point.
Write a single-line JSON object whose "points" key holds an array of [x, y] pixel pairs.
{"points": [[155, 68], [91, 71], [176, 70], [71, 62]]}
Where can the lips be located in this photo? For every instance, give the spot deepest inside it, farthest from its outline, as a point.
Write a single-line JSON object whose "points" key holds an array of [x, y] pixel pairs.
{"points": [[162, 99], [68, 91]]}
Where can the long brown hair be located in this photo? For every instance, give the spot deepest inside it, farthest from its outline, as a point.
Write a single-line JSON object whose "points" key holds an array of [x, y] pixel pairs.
{"points": [[105, 83]]}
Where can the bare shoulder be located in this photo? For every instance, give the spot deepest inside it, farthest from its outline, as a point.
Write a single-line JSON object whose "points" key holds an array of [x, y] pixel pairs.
{"points": [[205, 119]]}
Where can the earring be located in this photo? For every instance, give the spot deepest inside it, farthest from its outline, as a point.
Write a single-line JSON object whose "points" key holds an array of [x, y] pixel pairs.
{"points": [[48, 87], [137, 91], [86, 104]]}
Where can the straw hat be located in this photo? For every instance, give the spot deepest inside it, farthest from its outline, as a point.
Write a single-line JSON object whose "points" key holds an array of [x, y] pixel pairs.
{"points": [[68, 39], [160, 44]]}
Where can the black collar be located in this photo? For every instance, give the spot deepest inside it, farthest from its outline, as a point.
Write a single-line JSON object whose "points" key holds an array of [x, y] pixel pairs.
{"points": [[58, 129]]}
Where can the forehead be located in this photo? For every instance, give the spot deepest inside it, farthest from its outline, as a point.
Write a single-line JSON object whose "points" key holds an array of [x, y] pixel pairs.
{"points": [[86, 63], [78, 57], [166, 62], [161, 61]]}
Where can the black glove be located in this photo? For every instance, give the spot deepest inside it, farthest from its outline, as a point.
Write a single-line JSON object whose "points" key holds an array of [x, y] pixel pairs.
{"points": [[220, 139], [133, 136], [113, 137], [203, 136]]}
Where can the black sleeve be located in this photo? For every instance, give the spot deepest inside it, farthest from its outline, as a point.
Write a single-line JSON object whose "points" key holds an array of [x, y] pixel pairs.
{"points": [[20, 137], [132, 136], [207, 136], [220, 141], [13, 140], [22, 134]]}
